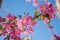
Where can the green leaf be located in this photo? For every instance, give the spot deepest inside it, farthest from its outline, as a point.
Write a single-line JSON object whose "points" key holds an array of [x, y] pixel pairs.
{"points": [[41, 16]]}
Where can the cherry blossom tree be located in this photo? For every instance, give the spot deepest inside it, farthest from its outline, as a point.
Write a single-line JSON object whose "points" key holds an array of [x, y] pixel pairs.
{"points": [[11, 27]]}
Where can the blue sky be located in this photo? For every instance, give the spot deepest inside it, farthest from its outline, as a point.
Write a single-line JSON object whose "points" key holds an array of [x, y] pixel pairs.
{"points": [[16, 7]]}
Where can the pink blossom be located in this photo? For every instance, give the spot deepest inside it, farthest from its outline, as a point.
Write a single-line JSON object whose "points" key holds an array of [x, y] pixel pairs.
{"points": [[22, 23], [57, 37], [27, 0], [26, 20], [47, 9], [14, 27], [10, 17], [30, 30], [30, 21], [35, 2], [15, 34], [46, 20], [25, 32], [7, 27], [11, 28], [17, 38]]}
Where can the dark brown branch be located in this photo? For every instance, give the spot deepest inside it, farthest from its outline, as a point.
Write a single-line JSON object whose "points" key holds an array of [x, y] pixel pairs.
{"points": [[0, 3]]}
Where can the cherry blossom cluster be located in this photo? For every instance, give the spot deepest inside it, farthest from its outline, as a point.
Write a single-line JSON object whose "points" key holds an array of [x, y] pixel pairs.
{"points": [[47, 12], [12, 27]]}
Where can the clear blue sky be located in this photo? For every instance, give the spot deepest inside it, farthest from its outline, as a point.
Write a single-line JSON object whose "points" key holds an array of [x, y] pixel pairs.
{"points": [[16, 7]]}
